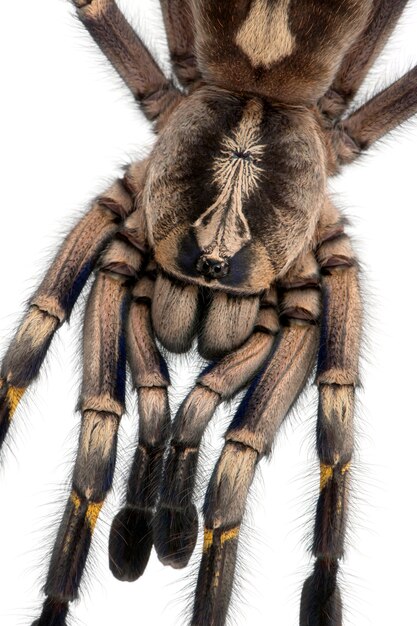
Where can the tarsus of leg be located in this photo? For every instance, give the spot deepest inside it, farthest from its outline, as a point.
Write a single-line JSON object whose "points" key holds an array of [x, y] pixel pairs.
{"points": [[131, 533], [249, 438], [337, 376], [128, 55], [176, 521], [52, 303], [102, 405], [358, 61]]}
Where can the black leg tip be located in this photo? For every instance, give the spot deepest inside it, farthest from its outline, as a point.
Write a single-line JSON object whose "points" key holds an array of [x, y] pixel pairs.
{"points": [[175, 535], [130, 543], [321, 603], [54, 613]]}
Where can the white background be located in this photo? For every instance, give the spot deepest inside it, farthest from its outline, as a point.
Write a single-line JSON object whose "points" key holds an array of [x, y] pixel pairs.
{"points": [[67, 123]]}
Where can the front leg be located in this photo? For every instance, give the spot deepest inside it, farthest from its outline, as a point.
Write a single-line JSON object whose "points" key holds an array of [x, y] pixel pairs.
{"points": [[337, 376]]}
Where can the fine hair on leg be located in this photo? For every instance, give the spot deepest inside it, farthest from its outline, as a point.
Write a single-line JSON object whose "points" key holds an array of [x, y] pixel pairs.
{"points": [[337, 377], [131, 532], [102, 405]]}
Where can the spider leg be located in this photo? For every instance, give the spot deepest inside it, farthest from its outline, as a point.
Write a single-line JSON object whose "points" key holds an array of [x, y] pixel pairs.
{"points": [[250, 438], [131, 533], [358, 61], [52, 303], [380, 115], [180, 28], [129, 56], [102, 405], [176, 521], [337, 377]]}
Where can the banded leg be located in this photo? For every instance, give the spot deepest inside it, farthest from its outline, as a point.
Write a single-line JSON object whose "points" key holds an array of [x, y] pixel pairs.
{"points": [[179, 26], [128, 55], [131, 533], [250, 437], [102, 405], [337, 376], [176, 522], [383, 18], [52, 303]]}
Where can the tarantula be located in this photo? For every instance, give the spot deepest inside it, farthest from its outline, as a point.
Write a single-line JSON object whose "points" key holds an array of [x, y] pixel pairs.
{"points": [[225, 235]]}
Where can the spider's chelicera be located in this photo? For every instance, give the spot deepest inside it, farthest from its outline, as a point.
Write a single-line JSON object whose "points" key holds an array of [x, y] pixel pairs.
{"points": [[225, 236]]}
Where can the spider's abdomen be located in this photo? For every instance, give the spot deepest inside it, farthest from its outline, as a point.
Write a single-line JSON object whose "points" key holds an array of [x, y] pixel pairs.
{"points": [[233, 192], [286, 49]]}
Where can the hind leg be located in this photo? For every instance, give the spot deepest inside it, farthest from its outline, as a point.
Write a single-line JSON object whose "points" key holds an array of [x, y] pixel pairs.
{"points": [[362, 55], [180, 29], [129, 56]]}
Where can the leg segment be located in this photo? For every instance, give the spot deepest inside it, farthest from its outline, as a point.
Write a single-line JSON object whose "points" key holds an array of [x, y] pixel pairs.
{"points": [[180, 28], [360, 58], [248, 439], [128, 55], [376, 118], [52, 303], [176, 522], [102, 404], [384, 112], [131, 532], [336, 377]]}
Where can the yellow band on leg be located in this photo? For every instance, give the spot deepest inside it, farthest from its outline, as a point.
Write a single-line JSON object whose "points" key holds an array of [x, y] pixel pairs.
{"points": [[14, 396], [227, 535], [93, 509]]}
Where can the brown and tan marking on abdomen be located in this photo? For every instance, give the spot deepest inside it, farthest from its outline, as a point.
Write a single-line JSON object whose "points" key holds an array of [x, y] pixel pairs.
{"points": [[265, 36], [222, 230]]}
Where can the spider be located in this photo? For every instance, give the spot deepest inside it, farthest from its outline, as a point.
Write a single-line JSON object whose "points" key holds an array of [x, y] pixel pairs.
{"points": [[225, 236]]}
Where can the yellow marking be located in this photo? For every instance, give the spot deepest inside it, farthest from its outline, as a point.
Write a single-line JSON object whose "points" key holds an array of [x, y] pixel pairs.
{"points": [[76, 500], [326, 474], [229, 534], [93, 512], [13, 397], [93, 509], [208, 539], [345, 469]]}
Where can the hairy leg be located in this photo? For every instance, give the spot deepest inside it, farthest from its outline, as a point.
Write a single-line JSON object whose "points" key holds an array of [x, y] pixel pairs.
{"points": [[52, 303], [250, 437], [102, 405], [382, 114], [180, 28], [129, 56], [337, 377], [131, 533], [362, 55], [176, 522]]}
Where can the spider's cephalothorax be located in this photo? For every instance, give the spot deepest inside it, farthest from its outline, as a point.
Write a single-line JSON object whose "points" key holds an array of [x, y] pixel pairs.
{"points": [[226, 234]]}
